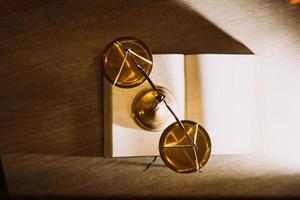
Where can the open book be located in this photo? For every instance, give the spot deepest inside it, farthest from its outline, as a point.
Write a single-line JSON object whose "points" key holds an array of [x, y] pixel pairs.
{"points": [[218, 91]]}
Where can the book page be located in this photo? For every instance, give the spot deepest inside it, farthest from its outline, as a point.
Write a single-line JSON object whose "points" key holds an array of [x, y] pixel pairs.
{"points": [[222, 95], [125, 137]]}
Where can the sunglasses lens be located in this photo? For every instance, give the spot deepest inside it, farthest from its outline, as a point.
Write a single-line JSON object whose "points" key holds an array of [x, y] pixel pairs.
{"points": [[177, 151], [118, 65]]}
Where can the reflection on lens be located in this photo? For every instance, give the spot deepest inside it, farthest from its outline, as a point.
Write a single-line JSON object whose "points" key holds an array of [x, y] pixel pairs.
{"points": [[177, 151], [119, 67]]}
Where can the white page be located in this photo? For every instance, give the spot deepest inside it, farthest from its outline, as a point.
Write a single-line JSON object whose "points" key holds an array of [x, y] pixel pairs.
{"points": [[222, 95], [127, 138]]}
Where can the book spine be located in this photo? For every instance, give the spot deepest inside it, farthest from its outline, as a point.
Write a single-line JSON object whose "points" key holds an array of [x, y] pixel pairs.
{"points": [[107, 117]]}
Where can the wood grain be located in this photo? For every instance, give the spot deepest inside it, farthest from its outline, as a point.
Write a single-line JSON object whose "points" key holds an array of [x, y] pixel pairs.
{"points": [[61, 177], [51, 98]]}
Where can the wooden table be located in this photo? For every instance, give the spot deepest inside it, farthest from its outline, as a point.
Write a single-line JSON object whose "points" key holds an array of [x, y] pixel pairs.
{"points": [[51, 138]]}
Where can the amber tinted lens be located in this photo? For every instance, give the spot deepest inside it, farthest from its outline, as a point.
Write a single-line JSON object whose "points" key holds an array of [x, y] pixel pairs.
{"points": [[176, 150], [113, 57]]}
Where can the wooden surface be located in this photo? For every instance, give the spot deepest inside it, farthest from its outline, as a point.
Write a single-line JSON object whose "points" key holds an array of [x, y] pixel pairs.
{"points": [[51, 100], [83, 177], [50, 89]]}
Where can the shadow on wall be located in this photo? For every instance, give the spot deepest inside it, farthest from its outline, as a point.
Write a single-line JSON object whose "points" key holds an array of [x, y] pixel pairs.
{"points": [[55, 107], [167, 27], [3, 185]]}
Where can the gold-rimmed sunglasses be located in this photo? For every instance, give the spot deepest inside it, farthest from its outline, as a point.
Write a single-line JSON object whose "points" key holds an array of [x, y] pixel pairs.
{"points": [[184, 146]]}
